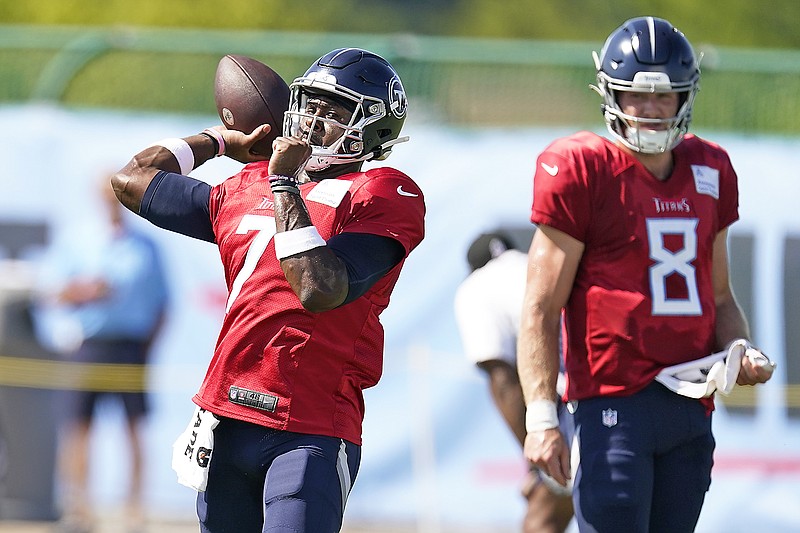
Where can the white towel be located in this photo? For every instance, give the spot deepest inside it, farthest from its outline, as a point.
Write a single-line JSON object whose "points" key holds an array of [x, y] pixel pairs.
{"points": [[715, 372], [191, 452]]}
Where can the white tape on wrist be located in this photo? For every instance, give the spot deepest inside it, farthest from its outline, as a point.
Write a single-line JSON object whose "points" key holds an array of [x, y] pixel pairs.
{"points": [[297, 241], [540, 415], [182, 152]]}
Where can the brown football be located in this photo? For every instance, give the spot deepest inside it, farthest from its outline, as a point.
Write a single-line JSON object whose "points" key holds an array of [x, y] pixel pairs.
{"points": [[248, 93]]}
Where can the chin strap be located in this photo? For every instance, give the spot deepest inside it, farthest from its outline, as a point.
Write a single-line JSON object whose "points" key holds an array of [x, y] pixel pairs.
{"points": [[381, 152], [378, 154]]}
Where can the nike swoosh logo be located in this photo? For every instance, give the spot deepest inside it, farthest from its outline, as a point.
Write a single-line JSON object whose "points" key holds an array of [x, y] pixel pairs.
{"points": [[552, 170], [401, 192]]}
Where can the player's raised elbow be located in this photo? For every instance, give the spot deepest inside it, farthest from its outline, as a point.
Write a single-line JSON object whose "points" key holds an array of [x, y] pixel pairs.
{"points": [[315, 300], [318, 290], [122, 183]]}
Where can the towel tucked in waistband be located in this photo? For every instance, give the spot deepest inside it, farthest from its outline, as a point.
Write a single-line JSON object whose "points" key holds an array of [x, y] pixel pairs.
{"points": [[191, 452]]}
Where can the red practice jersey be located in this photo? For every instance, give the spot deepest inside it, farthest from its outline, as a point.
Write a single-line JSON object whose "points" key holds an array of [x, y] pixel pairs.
{"points": [[643, 297], [276, 364]]}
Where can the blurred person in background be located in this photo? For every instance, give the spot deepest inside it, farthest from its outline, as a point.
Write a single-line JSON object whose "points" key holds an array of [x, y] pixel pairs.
{"points": [[312, 247], [488, 304], [107, 295], [631, 246]]}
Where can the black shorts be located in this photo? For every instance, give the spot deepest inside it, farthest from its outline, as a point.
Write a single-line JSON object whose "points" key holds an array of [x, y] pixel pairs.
{"points": [[80, 404]]}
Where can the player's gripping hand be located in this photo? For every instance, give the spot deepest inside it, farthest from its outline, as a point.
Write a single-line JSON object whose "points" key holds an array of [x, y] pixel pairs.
{"points": [[548, 451], [756, 368], [239, 145], [289, 156]]}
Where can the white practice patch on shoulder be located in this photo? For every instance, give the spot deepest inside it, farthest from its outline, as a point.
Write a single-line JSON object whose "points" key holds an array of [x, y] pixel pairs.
{"points": [[329, 192], [706, 180]]}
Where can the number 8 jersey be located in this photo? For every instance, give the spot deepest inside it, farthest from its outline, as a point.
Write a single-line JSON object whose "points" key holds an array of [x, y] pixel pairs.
{"points": [[276, 364], [643, 295]]}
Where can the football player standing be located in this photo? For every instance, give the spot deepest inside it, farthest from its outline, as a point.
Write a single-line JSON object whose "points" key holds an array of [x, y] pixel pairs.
{"points": [[632, 245]]}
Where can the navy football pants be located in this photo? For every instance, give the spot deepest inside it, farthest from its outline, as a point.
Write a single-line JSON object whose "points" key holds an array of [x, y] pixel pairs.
{"points": [[645, 462], [262, 479]]}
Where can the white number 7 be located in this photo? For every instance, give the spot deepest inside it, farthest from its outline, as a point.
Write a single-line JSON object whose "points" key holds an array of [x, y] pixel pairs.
{"points": [[265, 226]]}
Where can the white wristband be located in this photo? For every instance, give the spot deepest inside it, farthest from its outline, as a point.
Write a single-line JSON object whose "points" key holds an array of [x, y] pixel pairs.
{"points": [[296, 241], [182, 152], [540, 415]]}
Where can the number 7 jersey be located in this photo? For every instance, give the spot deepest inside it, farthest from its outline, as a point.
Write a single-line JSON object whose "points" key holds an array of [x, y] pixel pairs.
{"points": [[643, 297], [276, 364]]}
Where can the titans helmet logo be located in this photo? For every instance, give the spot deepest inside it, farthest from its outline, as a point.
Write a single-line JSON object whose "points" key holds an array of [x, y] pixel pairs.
{"points": [[398, 103]]}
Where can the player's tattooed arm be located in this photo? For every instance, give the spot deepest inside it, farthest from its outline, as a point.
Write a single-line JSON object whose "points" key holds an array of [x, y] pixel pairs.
{"points": [[317, 276]]}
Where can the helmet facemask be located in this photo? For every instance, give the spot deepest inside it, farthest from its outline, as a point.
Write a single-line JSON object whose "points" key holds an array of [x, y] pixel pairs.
{"points": [[646, 135], [349, 147]]}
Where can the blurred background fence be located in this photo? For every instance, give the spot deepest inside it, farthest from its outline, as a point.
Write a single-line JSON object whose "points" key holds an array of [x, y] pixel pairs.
{"points": [[459, 81]]}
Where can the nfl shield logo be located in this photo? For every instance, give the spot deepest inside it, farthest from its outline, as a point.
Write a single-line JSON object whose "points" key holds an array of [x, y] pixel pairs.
{"points": [[609, 417]]}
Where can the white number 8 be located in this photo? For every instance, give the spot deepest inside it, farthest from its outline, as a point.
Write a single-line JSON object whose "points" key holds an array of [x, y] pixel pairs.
{"points": [[669, 262]]}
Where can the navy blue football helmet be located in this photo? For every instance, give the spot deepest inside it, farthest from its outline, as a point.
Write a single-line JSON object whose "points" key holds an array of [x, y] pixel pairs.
{"points": [[362, 81], [647, 54]]}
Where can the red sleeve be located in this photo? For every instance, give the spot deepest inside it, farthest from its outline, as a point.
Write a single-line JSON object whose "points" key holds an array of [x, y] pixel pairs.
{"points": [[215, 200], [561, 193], [729, 195], [388, 203], [249, 173]]}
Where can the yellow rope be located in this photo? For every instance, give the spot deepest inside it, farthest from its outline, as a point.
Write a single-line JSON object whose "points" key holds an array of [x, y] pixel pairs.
{"points": [[66, 375], [747, 397], [107, 377]]}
